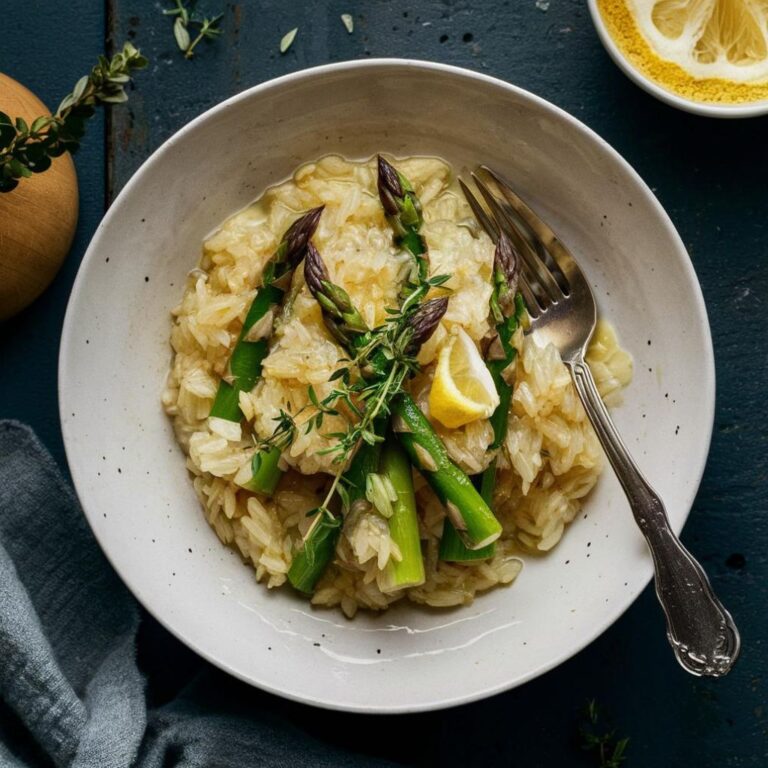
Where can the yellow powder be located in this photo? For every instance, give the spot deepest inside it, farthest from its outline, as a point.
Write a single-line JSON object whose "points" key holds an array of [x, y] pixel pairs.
{"points": [[622, 27]]}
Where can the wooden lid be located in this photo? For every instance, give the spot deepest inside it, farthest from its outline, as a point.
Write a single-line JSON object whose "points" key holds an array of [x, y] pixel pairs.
{"points": [[37, 219]]}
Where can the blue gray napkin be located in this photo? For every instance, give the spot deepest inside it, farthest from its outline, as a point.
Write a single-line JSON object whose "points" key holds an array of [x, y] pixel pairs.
{"points": [[71, 692]]}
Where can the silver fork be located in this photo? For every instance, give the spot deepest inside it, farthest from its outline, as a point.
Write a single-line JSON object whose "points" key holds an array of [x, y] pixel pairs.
{"points": [[563, 311]]}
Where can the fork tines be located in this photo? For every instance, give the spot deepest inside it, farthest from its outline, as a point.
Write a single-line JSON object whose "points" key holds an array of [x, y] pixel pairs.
{"points": [[545, 262]]}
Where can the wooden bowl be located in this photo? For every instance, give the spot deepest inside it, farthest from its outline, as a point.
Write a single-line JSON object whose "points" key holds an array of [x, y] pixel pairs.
{"points": [[37, 219]]}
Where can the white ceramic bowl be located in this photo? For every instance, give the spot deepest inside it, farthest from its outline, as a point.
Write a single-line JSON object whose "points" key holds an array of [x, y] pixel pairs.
{"points": [[752, 109], [130, 474]]}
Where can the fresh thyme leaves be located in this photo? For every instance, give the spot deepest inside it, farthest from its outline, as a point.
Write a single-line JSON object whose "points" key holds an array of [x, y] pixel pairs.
{"points": [[185, 18], [287, 40], [608, 750], [27, 149], [282, 435], [385, 358], [381, 360]]}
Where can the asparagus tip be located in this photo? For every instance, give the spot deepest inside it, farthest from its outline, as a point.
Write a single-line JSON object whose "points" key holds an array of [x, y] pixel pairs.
{"points": [[507, 260], [390, 189], [315, 271], [299, 233], [425, 320]]}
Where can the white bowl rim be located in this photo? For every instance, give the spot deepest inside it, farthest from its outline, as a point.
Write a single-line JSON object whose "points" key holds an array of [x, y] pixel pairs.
{"points": [[67, 342], [705, 109]]}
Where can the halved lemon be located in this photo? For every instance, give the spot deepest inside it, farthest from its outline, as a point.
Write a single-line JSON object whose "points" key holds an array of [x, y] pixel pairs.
{"points": [[462, 390], [725, 39]]}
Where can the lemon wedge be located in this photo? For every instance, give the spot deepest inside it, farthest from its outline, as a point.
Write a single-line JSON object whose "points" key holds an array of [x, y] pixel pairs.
{"points": [[462, 390], [726, 39]]}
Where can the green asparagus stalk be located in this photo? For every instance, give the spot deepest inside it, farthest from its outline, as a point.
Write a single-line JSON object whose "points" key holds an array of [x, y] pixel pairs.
{"points": [[402, 209], [253, 343], [265, 472], [311, 560], [340, 315], [477, 526], [403, 523], [469, 513], [319, 544], [507, 309], [452, 548], [385, 374]]}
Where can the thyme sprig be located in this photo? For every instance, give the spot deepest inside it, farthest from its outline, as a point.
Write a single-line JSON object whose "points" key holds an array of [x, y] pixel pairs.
{"points": [[28, 149], [608, 750], [186, 16], [365, 384]]}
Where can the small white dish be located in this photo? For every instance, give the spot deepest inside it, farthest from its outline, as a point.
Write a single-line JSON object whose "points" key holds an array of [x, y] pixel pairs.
{"points": [[130, 474], [751, 109]]}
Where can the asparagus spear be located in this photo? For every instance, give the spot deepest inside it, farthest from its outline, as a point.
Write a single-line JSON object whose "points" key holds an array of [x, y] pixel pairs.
{"points": [[253, 343], [384, 374], [402, 209], [452, 548], [507, 310], [403, 523], [340, 315], [466, 509], [265, 471], [319, 544]]}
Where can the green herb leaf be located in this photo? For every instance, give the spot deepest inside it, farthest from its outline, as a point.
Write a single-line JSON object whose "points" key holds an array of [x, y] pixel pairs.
{"points": [[7, 135], [39, 123], [609, 752], [288, 39], [25, 150], [182, 25], [209, 28], [79, 89], [181, 34], [43, 164], [344, 496]]}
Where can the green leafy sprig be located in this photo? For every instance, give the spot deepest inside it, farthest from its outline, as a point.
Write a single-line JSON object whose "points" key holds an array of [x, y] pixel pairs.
{"points": [[26, 149], [608, 750], [186, 17], [387, 358]]}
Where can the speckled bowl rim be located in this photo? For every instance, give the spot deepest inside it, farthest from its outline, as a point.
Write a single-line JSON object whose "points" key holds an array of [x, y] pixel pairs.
{"points": [[68, 339], [725, 111]]}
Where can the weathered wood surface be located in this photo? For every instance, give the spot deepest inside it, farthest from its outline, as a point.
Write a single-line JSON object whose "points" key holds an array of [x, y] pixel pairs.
{"points": [[48, 52], [711, 178], [709, 175]]}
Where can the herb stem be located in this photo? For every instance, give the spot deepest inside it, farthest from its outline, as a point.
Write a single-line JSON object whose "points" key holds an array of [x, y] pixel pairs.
{"points": [[368, 418], [189, 53], [332, 489], [27, 149]]}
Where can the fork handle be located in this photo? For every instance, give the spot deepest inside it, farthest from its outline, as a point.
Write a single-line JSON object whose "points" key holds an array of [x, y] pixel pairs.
{"points": [[701, 631]]}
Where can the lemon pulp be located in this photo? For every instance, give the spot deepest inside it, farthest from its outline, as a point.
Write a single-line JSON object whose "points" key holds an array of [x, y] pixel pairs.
{"points": [[705, 50], [462, 389]]}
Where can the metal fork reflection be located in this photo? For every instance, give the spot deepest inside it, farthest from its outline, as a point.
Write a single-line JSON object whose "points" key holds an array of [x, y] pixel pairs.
{"points": [[564, 313]]}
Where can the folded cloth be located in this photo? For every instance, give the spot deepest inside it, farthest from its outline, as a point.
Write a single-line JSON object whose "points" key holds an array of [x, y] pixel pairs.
{"points": [[71, 689]]}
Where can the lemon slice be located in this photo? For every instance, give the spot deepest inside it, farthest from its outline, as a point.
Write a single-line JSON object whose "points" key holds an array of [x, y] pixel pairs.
{"points": [[462, 390], [725, 39]]}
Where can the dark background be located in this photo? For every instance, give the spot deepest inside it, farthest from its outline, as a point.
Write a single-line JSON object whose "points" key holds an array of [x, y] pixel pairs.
{"points": [[710, 176]]}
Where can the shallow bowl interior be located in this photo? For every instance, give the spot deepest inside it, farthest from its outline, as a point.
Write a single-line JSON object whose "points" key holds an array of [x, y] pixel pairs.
{"points": [[130, 474]]}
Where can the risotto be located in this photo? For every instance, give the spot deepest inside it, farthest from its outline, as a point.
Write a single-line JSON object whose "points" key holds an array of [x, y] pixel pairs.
{"points": [[547, 463]]}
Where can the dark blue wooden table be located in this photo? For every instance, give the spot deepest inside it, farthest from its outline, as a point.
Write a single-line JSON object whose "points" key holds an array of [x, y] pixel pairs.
{"points": [[710, 176]]}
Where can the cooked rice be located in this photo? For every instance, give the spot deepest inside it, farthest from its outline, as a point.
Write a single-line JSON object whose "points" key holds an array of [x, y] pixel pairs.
{"points": [[551, 458]]}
